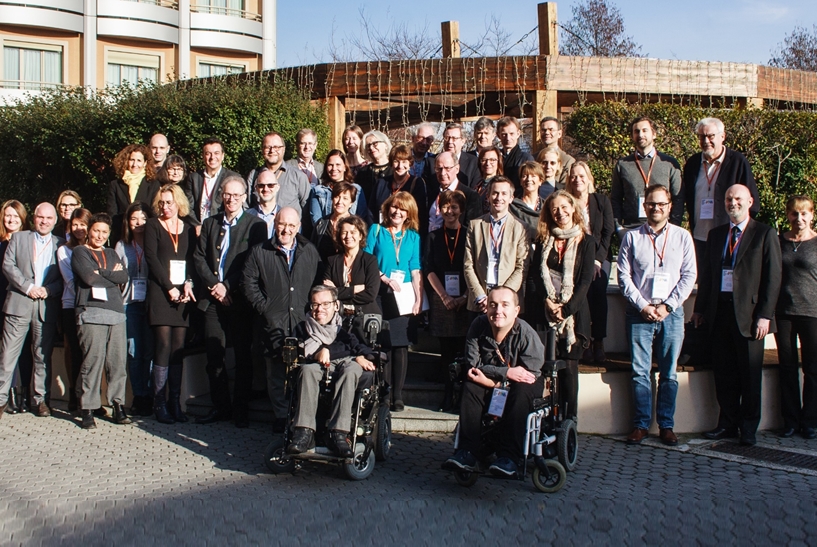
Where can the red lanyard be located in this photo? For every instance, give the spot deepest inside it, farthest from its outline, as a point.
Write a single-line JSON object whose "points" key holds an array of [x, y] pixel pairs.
{"points": [[395, 190], [175, 240], [714, 174], [649, 174], [449, 250], [663, 252], [139, 256], [104, 264], [501, 358], [496, 242], [732, 247]]}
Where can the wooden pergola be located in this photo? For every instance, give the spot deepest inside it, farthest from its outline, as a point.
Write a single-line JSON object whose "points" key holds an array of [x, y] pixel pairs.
{"points": [[394, 94]]}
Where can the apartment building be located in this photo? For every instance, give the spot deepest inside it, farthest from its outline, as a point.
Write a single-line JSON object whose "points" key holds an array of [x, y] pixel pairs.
{"points": [[48, 43]]}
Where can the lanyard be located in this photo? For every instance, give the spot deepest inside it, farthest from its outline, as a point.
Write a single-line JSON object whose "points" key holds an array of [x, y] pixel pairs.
{"points": [[395, 190], [139, 255], [174, 240], [396, 246], [732, 247], [42, 249], [649, 174], [663, 252], [501, 357], [712, 178], [449, 250], [208, 195], [560, 245], [104, 264], [496, 242]]}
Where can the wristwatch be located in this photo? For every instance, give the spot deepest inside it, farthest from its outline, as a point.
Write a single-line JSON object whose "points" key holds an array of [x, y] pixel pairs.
{"points": [[669, 308]]}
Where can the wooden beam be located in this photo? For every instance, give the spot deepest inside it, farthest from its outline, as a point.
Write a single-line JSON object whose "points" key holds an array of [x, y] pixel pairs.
{"points": [[451, 39], [336, 114], [548, 29], [545, 103]]}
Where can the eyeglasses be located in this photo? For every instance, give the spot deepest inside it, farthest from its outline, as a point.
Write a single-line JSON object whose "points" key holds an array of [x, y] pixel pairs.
{"points": [[708, 136], [69, 205], [322, 305], [232, 196], [374, 143], [657, 205], [265, 148], [441, 168], [452, 138], [488, 160], [167, 203], [262, 186], [180, 169]]}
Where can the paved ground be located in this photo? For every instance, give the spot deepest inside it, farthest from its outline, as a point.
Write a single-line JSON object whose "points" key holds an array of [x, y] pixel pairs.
{"points": [[207, 485]]}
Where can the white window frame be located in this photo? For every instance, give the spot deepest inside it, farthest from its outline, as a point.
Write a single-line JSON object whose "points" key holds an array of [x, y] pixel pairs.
{"points": [[134, 57], [214, 61], [41, 44]]}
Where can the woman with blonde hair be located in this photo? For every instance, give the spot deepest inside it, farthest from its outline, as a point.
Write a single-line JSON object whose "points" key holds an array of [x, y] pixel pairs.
{"points": [[376, 149]]}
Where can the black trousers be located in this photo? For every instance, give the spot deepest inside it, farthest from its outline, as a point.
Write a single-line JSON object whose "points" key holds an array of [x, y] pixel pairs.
{"points": [[225, 325], [738, 370], [789, 328], [597, 301], [513, 424]]}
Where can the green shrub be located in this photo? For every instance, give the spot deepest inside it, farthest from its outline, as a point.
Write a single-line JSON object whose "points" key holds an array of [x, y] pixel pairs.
{"points": [[780, 145], [66, 139]]}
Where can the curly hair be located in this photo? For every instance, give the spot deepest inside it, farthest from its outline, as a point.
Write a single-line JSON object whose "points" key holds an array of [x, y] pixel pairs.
{"points": [[120, 161]]}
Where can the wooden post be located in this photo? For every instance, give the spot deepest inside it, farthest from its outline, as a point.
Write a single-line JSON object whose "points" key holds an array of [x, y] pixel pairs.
{"points": [[756, 102], [548, 29], [545, 104], [451, 39], [336, 116]]}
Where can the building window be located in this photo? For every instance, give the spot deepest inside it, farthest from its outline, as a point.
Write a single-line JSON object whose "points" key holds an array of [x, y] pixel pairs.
{"points": [[31, 66], [215, 69], [132, 68], [234, 8]]}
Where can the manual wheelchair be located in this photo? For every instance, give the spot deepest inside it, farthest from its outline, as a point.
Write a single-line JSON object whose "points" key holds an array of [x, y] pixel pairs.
{"points": [[551, 440], [370, 435]]}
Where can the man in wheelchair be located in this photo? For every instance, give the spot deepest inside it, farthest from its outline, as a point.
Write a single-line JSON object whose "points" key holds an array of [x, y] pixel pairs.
{"points": [[506, 357], [327, 346]]}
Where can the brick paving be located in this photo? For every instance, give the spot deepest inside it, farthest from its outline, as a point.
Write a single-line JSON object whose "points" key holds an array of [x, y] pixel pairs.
{"points": [[150, 484]]}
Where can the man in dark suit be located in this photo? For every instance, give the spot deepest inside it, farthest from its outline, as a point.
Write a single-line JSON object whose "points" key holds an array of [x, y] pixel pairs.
{"points": [[707, 176], [509, 131], [421, 141], [447, 169], [737, 294], [225, 241], [32, 304], [203, 188], [453, 141]]}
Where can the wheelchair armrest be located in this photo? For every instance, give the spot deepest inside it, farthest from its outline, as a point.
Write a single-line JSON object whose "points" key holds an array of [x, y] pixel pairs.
{"points": [[553, 366]]}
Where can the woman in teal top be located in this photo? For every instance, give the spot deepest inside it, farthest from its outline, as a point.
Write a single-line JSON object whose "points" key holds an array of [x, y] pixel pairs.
{"points": [[396, 245]]}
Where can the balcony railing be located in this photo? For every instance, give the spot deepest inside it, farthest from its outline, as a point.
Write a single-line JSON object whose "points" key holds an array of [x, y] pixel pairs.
{"points": [[172, 4], [28, 85], [220, 10]]}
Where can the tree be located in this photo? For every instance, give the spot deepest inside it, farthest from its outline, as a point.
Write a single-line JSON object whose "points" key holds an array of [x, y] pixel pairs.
{"points": [[798, 50], [597, 30]]}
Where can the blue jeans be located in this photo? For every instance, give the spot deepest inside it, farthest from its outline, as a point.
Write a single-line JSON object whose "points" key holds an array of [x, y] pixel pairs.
{"points": [[666, 337], [140, 348]]}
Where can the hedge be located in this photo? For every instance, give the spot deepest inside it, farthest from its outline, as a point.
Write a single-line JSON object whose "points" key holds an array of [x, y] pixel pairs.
{"points": [[66, 138], [780, 145]]}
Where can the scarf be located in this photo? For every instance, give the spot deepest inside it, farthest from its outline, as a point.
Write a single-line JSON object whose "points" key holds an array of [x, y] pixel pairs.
{"points": [[320, 335], [564, 329], [133, 181]]}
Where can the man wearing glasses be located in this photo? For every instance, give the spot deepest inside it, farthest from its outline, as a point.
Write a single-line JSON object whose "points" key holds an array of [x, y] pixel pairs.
{"points": [[327, 345], [421, 141], [707, 176], [656, 273], [453, 141], [447, 169], [550, 132], [219, 258], [306, 141], [293, 184]]}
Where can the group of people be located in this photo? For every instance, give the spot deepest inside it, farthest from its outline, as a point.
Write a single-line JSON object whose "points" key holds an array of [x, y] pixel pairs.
{"points": [[495, 243]]}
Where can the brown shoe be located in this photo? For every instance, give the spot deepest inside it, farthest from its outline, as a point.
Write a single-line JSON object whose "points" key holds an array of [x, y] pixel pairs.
{"points": [[637, 436], [668, 437], [3, 409], [42, 410]]}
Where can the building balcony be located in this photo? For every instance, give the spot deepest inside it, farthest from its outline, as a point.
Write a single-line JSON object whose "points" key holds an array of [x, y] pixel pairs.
{"points": [[62, 15], [222, 31], [156, 20], [220, 10]]}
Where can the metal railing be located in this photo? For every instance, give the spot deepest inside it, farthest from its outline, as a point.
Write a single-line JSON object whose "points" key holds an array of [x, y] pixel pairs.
{"points": [[172, 4], [219, 10], [28, 85]]}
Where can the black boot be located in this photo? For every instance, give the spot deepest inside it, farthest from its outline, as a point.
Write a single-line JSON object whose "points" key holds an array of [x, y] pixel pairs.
{"points": [[88, 419], [174, 385], [14, 401], [24, 401], [119, 415], [159, 401]]}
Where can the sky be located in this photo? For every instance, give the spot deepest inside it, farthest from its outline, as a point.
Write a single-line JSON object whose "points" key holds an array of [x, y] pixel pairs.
{"points": [[743, 31]]}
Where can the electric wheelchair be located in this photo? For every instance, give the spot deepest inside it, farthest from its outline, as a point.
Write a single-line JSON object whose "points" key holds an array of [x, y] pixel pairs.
{"points": [[370, 435], [551, 441]]}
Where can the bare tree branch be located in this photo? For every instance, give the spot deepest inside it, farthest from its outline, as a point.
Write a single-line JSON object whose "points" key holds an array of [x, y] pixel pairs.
{"points": [[797, 51], [597, 29]]}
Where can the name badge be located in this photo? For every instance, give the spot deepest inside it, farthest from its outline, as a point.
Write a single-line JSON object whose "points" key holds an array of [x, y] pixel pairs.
{"points": [[398, 276], [139, 289], [707, 209], [726, 281], [493, 271], [452, 284], [178, 272], [660, 287], [642, 213], [498, 399], [99, 293]]}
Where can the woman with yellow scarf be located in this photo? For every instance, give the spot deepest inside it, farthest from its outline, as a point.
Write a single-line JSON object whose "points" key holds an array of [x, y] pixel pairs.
{"points": [[136, 181]]}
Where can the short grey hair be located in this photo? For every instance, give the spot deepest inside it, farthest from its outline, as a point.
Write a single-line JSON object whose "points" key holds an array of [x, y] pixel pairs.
{"points": [[422, 125], [378, 136], [710, 121], [234, 178], [323, 288]]}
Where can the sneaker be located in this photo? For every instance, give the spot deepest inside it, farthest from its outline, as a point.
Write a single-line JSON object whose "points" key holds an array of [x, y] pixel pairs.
{"points": [[503, 467], [463, 460]]}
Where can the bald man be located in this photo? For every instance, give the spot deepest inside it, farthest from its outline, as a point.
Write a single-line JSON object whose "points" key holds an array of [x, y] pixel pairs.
{"points": [[32, 304], [159, 148], [277, 277], [737, 294]]}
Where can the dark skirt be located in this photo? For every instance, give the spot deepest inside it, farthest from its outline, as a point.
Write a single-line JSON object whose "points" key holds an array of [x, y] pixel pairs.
{"points": [[402, 328], [444, 322]]}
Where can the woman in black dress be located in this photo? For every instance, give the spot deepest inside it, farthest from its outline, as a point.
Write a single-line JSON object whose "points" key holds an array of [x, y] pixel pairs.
{"points": [[169, 244], [353, 271], [449, 317]]}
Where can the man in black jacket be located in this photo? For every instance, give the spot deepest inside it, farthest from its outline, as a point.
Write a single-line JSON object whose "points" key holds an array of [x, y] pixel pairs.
{"points": [[509, 131], [203, 188], [225, 241], [277, 277], [327, 345]]}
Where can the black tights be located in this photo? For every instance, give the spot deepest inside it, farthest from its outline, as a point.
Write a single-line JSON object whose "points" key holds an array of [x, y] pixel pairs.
{"points": [[396, 371], [169, 344]]}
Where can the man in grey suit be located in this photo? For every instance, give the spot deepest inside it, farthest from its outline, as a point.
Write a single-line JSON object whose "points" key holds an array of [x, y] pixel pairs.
{"points": [[32, 303]]}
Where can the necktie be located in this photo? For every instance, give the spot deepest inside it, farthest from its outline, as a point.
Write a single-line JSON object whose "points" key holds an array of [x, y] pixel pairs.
{"points": [[730, 249]]}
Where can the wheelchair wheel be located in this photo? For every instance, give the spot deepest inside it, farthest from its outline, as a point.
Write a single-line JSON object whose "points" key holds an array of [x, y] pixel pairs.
{"points": [[382, 444], [360, 468], [273, 457], [567, 445], [553, 483], [466, 478]]}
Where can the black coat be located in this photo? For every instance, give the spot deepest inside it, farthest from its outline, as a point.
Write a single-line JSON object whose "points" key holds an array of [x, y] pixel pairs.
{"points": [[248, 232], [364, 272], [756, 279], [278, 294], [193, 189], [602, 224], [119, 201], [511, 163]]}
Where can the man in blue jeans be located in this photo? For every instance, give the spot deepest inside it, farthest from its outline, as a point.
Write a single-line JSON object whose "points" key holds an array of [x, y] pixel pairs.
{"points": [[656, 273]]}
